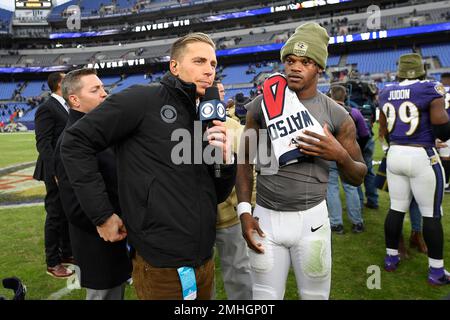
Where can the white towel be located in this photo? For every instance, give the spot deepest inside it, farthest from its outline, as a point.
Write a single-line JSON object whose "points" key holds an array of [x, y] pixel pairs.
{"points": [[286, 118]]}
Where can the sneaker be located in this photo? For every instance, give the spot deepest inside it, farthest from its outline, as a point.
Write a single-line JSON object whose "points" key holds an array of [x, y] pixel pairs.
{"points": [[391, 263], [338, 228], [358, 228], [59, 271], [447, 190], [438, 276]]}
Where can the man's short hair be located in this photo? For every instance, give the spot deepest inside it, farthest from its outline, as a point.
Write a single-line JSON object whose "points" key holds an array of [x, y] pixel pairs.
{"points": [[53, 80], [338, 92], [180, 44], [445, 75], [71, 82]]}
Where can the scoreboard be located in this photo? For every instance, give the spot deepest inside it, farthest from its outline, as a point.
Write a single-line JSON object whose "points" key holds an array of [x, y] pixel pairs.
{"points": [[34, 4]]}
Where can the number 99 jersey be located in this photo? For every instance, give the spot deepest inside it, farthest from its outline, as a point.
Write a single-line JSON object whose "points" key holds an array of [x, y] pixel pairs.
{"points": [[406, 107]]}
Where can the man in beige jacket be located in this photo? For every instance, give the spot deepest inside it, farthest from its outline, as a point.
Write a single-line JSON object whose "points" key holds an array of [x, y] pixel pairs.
{"points": [[232, 248]]}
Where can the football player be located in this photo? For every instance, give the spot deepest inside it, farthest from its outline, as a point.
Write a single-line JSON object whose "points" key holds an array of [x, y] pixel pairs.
{"points": [[412, 116]]}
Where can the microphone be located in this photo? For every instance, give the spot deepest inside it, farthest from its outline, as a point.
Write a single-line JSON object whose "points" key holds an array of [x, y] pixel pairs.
{"points": [[211, 108]]}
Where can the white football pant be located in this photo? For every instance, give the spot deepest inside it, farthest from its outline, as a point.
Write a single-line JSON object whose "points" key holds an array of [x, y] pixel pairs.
{"points": [[415, 171], [300, 238]]}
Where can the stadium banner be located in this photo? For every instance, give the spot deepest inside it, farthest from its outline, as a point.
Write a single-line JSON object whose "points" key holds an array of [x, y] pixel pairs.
{"points": [[438, 27], [138, 28], [117, 64], [32, 69], [273, 9], [70, 35], [365, 36], [161, 25], [26, 14]]}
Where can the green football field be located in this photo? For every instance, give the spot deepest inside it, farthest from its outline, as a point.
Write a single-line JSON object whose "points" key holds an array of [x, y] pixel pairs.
{"points": [[356, 258], [17, 148]]}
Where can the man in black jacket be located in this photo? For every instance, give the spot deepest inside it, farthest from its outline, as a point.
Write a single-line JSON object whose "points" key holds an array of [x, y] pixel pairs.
{"points": [[169, 206], [50, 120], [104, 266]]}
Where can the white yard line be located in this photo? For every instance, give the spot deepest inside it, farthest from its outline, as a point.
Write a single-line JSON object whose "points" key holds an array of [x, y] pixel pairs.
{"points": [[72, 283], [21, 205], [59, 294]]}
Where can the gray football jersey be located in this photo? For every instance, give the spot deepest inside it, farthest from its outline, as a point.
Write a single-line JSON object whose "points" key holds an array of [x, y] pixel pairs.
{"points": [[298, 186]]}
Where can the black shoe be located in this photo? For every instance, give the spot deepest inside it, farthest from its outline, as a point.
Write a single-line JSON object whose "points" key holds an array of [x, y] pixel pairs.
{"points": [[339, 229], [447, 190], [358, 228], [371, 206]]}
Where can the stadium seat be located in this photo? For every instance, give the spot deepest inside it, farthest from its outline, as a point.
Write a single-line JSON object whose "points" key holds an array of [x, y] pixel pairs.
{"points": [[7, 90], [34, 89], [378, 61], [440, 51]]}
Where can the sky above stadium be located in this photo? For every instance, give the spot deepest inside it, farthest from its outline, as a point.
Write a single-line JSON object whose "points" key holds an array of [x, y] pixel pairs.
{"points": [[9, 4]]}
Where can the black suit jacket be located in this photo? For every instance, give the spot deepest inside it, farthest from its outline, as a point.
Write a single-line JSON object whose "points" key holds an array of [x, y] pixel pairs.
{"points": [[106, 161], [50, 120], [103, 264]]}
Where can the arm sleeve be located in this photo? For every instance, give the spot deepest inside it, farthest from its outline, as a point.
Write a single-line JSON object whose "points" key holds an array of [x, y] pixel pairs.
{"points": [[44, 126], [68, 198], [114, 120]]}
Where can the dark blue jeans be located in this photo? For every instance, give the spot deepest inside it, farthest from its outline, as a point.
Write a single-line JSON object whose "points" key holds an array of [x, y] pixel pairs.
{"points": [[369, 180], [415, 216]]}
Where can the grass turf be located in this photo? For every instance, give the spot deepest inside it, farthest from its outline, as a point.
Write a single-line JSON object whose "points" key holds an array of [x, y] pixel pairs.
{"points": [[17, 148]]}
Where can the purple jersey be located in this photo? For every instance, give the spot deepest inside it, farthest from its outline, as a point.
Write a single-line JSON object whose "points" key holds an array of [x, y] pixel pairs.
{"points": [[361, 128], [406, 106]]}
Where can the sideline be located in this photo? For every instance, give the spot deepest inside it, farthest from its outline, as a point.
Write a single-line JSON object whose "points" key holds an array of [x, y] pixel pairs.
{"points": [[21, 205], [16, 167]]}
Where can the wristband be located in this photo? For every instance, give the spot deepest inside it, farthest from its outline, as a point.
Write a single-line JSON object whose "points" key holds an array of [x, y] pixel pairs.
{"points": [[244, 207]]}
